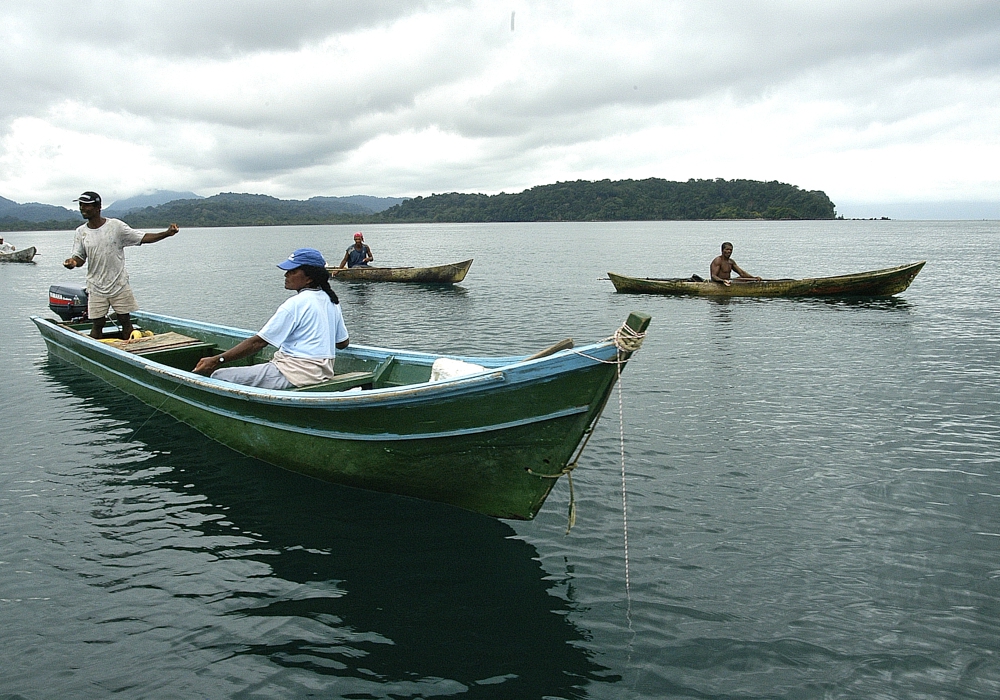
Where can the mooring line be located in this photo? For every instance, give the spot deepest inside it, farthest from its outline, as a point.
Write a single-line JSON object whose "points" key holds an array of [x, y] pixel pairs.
{"points": [[621, 443], [155, 411]]}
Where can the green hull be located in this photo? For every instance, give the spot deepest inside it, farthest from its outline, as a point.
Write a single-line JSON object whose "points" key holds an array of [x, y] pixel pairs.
{"points": [[482, 442], [876, 283], [441, 274]]}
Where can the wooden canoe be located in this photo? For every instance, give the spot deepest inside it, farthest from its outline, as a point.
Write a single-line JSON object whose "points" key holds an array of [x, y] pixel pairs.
{"points": [[441, 274], [876, 283], [494, 441], [23, 255]]}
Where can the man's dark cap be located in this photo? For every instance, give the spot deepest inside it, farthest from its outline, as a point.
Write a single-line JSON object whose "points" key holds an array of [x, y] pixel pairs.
{"points": [[88, 198]]}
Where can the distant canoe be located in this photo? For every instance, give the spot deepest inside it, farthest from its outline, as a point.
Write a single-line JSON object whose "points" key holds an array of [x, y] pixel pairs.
{"points": [[442, 274], [877, 283], [24, 255]]}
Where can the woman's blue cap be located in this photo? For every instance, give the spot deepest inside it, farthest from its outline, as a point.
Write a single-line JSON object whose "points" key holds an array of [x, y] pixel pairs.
{"points": [[303, 256]]}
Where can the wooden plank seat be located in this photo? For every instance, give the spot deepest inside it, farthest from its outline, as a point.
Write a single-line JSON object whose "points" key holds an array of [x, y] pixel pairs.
{"points": [[340, 382], [153, 343], [162, 341], [350, 380]]}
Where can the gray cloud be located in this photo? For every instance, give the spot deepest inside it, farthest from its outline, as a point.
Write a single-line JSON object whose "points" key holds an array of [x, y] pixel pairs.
{"points": [[299, 96]]}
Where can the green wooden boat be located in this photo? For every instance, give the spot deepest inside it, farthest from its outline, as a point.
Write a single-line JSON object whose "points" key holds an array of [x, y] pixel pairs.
{"points": [[494, 441], [452, 273], [876, 283], [23, 255]]}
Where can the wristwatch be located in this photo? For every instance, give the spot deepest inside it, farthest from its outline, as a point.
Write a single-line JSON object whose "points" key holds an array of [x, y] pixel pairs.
{"points": [[221, 359]]}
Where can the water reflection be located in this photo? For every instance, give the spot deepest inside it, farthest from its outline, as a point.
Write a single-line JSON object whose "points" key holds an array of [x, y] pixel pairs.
{"points": [[365, 593], [877, 303]]}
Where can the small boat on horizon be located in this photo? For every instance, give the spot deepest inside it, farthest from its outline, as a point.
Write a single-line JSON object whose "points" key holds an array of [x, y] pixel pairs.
{"points": [[451, 273], [23, 255], [875, 283]]}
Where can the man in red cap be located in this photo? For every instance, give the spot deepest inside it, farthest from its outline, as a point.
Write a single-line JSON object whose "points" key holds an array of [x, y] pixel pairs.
{"points": [[359, 254]]}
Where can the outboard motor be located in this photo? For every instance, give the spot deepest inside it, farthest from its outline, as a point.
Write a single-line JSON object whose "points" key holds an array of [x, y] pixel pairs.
{"points": [[68, 301]]}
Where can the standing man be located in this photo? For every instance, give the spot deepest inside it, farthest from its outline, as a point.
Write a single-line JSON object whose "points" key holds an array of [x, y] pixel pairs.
{"points": [[359, 254], [723, 266], [101, 244]]}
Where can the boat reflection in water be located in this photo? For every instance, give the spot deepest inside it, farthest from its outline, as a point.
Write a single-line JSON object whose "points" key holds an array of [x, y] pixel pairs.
{"points": [[303, 584]]}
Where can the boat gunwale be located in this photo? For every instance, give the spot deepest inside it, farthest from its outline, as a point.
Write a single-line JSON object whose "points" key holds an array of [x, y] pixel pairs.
{"points": [[517, 371]]}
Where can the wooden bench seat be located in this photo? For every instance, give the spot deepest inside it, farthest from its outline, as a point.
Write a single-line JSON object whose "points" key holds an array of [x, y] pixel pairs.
{"points": [[340, 382]]}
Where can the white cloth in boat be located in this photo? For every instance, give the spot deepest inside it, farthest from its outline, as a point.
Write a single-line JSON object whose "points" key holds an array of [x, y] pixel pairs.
{"points": [[446, 368]]}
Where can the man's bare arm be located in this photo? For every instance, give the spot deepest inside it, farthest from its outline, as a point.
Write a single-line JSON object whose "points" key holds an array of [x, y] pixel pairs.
{"points": [[743, 273], [154, 237]]}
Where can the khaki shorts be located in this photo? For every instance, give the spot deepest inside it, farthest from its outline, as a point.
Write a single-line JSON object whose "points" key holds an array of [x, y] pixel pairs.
{"points": [[122, 302]]}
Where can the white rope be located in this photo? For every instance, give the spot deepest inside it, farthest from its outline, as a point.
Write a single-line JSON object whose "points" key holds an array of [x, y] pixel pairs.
{"points": [[626, 340], [621, 444]]}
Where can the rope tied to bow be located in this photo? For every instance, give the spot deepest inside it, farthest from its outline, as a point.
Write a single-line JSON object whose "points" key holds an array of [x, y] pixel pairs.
{"points": [[626, 341]]}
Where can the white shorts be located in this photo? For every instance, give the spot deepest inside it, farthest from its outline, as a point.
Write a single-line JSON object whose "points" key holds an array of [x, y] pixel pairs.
{"points": [[122, 302]]}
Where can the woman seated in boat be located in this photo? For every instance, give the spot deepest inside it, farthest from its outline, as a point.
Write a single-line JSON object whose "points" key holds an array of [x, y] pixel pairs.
{"points": [[307, 329], [359, 254], [723, 265]]}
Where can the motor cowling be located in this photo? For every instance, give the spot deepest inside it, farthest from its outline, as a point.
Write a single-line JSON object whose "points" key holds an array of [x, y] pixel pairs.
{"points": [[68, 301]]}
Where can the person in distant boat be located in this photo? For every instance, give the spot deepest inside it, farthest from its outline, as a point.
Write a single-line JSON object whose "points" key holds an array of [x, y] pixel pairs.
{"points": [[723, 266], [359, 254], [101, 243], [307, 329], [6, 247]]}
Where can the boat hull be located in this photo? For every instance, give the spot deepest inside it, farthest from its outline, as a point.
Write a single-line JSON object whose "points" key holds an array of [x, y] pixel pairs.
{"points": [[494, 442], [23, 255], [452, 273], [876, 283]]}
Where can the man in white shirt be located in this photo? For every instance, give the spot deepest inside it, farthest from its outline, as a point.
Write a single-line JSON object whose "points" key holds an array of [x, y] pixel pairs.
{"points": [[5, 247], [101, 243]]}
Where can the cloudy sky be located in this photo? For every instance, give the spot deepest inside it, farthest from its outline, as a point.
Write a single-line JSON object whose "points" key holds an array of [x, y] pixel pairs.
{"points": [[872, 102]]}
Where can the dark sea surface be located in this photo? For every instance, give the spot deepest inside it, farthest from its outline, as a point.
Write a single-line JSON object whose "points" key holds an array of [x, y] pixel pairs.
{"points": [[813, 487]]}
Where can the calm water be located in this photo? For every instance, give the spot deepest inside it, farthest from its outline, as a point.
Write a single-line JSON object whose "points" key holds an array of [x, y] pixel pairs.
{"points": [[813, 487]]}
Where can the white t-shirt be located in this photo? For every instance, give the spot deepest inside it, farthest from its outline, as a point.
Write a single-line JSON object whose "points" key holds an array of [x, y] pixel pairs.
{"points": [[103, 249], [306, 329], [6, 247]]}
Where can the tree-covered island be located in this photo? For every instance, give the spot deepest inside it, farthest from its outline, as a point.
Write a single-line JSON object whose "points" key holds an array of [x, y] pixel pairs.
{"points": [[652, 199], [621, 200]]}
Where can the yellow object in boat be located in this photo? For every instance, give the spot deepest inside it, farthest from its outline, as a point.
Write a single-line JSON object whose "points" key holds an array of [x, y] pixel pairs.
{"points": [[135, 335], [147, 334]]}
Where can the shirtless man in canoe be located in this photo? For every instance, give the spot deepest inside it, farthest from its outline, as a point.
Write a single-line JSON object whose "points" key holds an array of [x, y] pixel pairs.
{"points": [[723, 266]]}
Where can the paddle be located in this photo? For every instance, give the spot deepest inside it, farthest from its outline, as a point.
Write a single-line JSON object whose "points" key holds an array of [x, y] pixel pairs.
{"points": [[552, 349]]}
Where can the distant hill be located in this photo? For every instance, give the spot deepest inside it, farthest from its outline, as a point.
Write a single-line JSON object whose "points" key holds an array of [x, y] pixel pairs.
{"points": [[124, 206], [366, 202], [232, 209], [582, 200], [33, 211], [621, 200]]}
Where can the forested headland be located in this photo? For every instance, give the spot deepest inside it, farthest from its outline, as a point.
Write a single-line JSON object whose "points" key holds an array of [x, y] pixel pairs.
{"points": [[621, 200], [652, 199]]}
